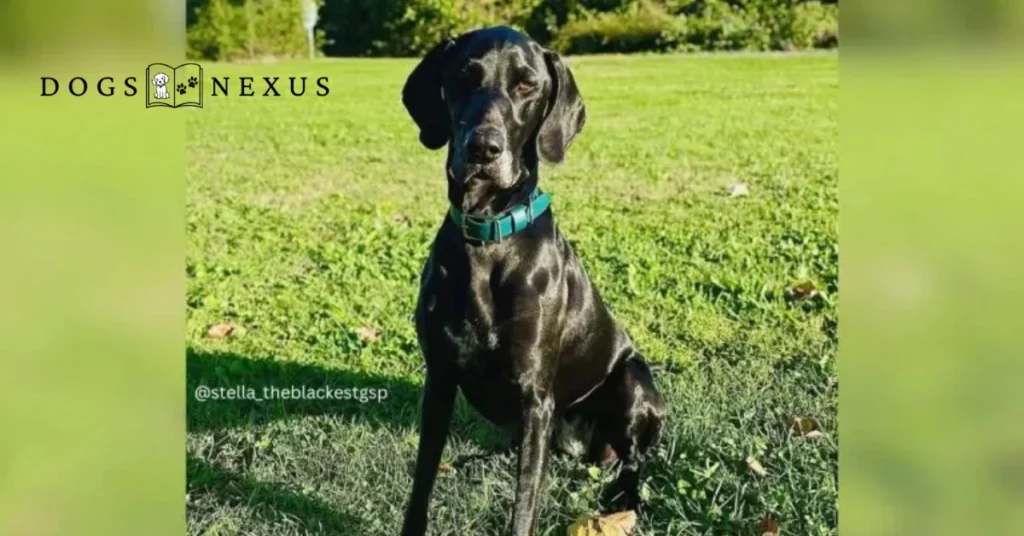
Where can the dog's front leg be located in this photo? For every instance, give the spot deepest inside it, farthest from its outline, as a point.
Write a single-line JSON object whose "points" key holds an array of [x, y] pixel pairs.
{"points": [[534, 451], [438, 399]]}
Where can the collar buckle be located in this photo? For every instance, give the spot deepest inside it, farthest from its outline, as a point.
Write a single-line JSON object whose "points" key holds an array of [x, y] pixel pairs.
{"points": [[466, 218]]}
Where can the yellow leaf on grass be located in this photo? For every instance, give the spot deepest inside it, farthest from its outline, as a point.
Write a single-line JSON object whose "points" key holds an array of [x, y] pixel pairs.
{"points": [[739, 190], [768, 527], [756, 466], [219, 331], [804, 290], [619, 524], [806, 427], [368, 333]]}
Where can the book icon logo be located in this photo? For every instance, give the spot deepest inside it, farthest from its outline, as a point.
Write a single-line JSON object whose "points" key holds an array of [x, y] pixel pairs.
{"points": [[174, 86]]}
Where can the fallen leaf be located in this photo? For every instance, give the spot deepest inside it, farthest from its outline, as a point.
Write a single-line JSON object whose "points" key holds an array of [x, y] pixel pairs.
{"points": [[768, 527], [738, 190], [219, 331], [444, 468], [368, 333], [608, 455], [803, 291], [619, 524], [756, 466], [805, 426], [399, 218]]}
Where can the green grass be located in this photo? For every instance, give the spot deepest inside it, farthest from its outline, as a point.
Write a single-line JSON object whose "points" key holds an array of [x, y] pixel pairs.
{"points": [[309, 218]]}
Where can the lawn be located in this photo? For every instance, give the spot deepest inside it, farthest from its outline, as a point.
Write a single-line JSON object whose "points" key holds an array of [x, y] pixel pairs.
{"points": [[308, 222]]}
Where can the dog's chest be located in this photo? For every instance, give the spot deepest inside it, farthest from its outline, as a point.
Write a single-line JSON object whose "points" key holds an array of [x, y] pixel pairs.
{"points": [[472, 339], [484, 368], [467, 313]]}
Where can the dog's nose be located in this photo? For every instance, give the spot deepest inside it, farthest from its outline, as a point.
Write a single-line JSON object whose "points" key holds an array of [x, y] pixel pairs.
{"points": [[485, 144]]}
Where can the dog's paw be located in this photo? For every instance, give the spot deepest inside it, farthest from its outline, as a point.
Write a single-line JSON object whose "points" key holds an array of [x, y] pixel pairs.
{"points": [[193, 82], [181, 89], [618, 499]]}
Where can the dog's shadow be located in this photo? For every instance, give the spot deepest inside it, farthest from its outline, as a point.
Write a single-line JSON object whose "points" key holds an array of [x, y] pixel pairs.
{"points": [[236, 376], [267, 499]]}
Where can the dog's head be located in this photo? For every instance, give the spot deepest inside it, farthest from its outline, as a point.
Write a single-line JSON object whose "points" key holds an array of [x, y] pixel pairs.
{"points": [[498, 99], [160, 79]]}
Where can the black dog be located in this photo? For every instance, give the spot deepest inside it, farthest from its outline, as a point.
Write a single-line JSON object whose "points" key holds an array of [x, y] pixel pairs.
{"points": [[505, 310]]}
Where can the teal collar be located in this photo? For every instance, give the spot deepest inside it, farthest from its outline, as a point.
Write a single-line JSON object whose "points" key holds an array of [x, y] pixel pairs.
{"points": [[501, 226]]}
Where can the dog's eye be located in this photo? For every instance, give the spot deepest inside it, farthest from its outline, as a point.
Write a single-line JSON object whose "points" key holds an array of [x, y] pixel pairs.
{"points": [[525, 87]]}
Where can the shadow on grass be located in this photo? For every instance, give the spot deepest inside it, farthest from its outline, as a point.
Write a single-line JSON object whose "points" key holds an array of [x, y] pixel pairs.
{"points": [[400, 409], [225, 371], [268, 500]]}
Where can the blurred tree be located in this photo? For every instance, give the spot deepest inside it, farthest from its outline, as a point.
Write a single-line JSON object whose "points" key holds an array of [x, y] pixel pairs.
{"points": [[242, 28]]}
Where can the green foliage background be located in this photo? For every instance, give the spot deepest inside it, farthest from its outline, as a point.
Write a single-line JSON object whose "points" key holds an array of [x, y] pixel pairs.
{"points": [[240, 29]]}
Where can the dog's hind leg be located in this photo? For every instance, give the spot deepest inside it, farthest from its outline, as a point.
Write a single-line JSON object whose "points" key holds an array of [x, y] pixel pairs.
{"points": [[635, 420]]}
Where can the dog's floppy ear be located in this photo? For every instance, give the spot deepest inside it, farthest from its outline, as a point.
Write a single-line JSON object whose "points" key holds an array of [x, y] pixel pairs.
{"points": [[423, 98], [566, 112]]}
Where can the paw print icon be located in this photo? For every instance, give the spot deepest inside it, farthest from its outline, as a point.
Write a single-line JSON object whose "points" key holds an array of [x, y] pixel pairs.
{"points": [[193, 81], [181, 89]]}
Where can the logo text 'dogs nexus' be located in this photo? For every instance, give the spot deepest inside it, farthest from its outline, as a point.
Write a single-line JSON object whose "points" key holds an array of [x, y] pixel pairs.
{"points": [[241, 86], [216, 86]]}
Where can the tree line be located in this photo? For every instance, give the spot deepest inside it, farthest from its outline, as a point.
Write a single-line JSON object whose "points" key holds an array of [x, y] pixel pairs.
{"points": [[241, 29]]}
